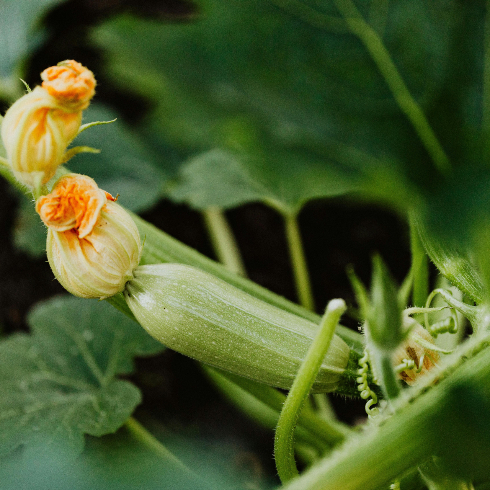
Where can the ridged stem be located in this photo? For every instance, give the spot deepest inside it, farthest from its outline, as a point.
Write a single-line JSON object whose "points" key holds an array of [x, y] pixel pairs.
{"points": [[413, 434]]}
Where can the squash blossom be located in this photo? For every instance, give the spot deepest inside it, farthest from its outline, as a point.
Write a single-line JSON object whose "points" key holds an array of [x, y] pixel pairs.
{"points": [[38, 127], [416, 348], [93, 244]]}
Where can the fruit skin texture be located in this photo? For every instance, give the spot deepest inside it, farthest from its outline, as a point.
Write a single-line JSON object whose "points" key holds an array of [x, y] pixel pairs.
{"points": [[203, 317]]}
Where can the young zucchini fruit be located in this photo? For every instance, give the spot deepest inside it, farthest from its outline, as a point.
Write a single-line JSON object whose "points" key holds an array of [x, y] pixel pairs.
{"points": [[203, 317]]}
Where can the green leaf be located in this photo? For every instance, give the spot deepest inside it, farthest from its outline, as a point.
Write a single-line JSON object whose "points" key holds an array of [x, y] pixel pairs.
{"points": [[60, 382], [19, 36], [120, 462], [279, 91], [124, 166], [226, 179]]}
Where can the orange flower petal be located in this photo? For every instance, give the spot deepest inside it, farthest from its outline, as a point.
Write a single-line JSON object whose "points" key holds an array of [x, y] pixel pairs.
{"points": [[70, 83], [74, 203]]}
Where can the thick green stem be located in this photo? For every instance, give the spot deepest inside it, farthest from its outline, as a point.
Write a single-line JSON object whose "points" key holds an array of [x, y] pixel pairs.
{"points": [[152, 443], [263, 408], [223, 241], [408, 105], [420, 268], [431, 423], [298, 261], [283, 444], [326, 431]]}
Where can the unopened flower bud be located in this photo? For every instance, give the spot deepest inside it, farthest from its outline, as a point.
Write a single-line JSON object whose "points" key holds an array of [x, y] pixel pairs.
{"points": [[71, 84], [93, 244], [39, 126], [415, 354]]}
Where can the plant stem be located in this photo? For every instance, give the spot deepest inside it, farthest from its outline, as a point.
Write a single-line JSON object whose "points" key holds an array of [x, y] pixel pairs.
{"points": [[223, 241], [262, 409], [420, 268], [152, 443], [236, 387], [283, 444], [413, 434], [298, 260], [380, 55], [324, 407]]}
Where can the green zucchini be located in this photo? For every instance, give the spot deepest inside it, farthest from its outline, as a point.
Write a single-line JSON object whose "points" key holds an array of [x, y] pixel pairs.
{"points": [[203, 317]]}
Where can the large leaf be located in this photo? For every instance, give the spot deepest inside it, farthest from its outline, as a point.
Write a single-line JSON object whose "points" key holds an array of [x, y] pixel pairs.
{"points": [[124, 165], [60, 382], [121, 462], [225, 179], [20, 33], [289, 86]]}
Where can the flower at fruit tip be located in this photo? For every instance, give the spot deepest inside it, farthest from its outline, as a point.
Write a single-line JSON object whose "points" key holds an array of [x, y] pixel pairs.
{"points": [[93, 244], [70, 83], [416, 354], [75, 203], [38, 127]]}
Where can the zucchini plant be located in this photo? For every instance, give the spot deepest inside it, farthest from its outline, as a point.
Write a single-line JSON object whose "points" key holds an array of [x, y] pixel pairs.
{"points": [[342, 98]]}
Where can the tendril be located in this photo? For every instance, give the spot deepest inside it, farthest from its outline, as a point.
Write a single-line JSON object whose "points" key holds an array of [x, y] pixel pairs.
{"points": [[409, 364], [363, 387], [448, 325]]}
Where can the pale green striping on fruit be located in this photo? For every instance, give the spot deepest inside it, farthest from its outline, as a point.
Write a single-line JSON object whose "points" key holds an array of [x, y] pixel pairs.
{"points": [[203, 317]]}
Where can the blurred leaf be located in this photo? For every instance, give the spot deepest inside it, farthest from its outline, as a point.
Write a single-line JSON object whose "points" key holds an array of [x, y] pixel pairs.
{"points": [[119, 462], [286, 91], [59, 383], [226, 179], [124, 166], [466, 453], [20, 34], [384, 315]]}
